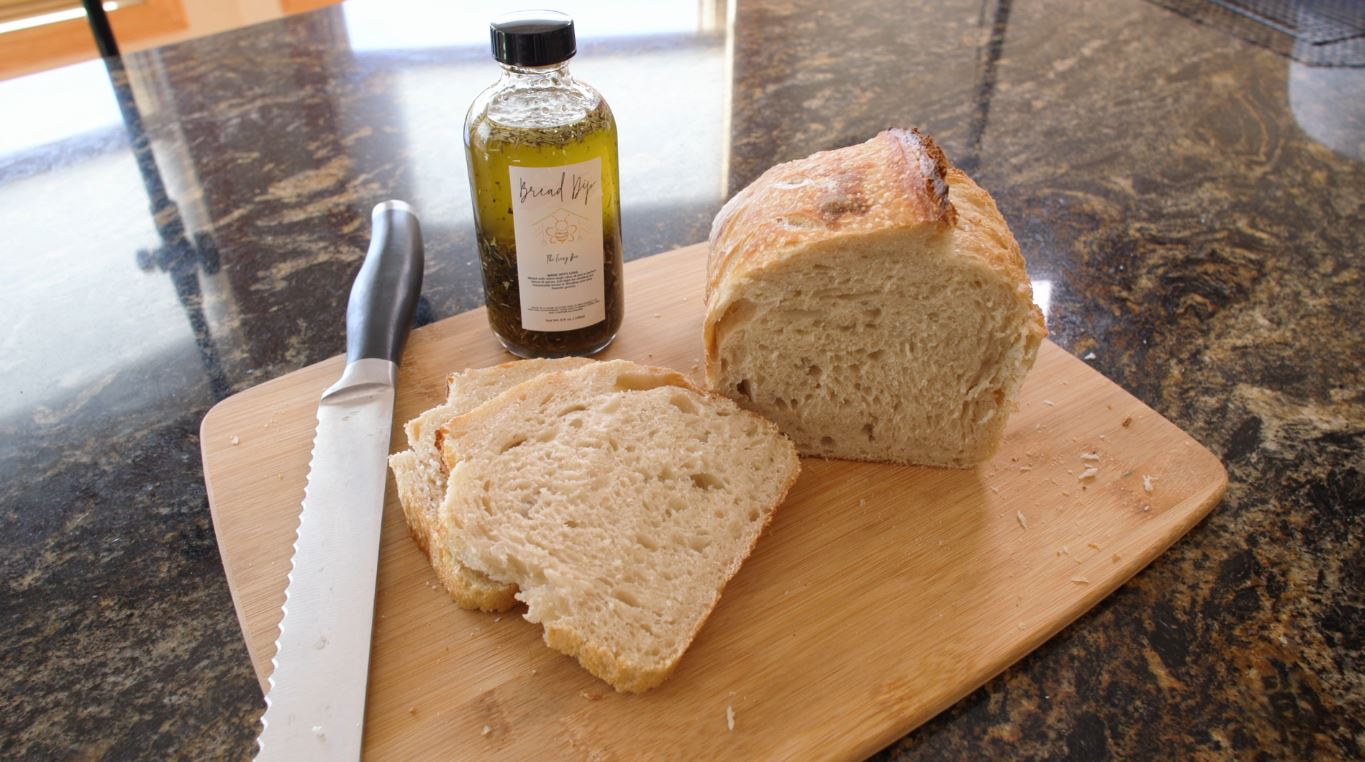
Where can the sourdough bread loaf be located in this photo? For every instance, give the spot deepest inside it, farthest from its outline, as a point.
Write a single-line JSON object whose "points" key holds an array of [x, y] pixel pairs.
{"points": [[420, 476], [872, 302], [619, 500]]}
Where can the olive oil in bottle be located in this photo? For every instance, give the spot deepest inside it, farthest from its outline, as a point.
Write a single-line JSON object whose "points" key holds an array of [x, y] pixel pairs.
{"points": [[543, 178]]}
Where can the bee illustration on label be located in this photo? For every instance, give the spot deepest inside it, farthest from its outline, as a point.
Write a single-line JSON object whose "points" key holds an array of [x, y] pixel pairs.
{"points": [[561, 226]]}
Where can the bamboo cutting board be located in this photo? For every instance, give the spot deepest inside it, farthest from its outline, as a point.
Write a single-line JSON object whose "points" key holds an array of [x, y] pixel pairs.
{"points": [[879, 596]]}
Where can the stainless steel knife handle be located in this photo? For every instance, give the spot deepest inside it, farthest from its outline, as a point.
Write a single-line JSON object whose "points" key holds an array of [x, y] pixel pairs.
{"points": [[384, 296]]}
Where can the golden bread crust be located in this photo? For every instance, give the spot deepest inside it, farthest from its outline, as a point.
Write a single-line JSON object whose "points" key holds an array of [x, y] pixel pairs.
{"points": [[898, 187], [898, 179]]}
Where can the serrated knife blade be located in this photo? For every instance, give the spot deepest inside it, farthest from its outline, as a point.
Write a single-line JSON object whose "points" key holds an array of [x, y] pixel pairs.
{"points": [[315, 705]]}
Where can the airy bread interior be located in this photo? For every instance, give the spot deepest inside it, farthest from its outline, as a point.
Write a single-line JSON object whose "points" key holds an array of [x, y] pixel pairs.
{"points": [[619, 499], [905, 341], [420, 476]]}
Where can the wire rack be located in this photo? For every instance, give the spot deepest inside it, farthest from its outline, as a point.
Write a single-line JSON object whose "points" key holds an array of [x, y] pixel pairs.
{"points": [[1313, 32]]}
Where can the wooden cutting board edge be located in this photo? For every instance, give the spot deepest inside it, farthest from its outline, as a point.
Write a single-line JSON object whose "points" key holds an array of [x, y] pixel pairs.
{"points": [[1131, 568]]}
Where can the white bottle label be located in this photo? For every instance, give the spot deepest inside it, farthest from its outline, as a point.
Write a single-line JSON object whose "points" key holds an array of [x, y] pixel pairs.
{"points": [[557, 218]]}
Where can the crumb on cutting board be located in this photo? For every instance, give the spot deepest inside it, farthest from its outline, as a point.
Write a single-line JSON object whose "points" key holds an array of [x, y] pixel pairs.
{"points": [[1127, 421], [1023, 522], [1090, 456], [1089, 473], [730, 717], [591, 695], [236, 440], [1080, 580], [486, 730], [1147, 483]]}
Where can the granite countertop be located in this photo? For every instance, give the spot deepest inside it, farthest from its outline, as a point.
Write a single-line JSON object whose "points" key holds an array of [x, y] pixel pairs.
{"points": [[1196, 204]]}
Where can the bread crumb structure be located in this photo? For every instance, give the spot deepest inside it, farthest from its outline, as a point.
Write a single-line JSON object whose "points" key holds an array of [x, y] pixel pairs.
{"points": [[619, 499], [873, 303]]}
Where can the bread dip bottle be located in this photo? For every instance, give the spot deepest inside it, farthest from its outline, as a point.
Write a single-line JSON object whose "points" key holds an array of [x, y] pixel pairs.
{"points": [[547, 210]]}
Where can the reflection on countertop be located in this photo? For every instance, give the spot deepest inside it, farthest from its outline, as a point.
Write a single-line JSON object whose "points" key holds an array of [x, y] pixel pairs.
{"points": [[1192, 237]]}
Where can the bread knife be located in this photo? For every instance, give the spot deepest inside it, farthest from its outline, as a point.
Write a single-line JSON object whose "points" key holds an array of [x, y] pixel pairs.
{"points": [[315, 705]]}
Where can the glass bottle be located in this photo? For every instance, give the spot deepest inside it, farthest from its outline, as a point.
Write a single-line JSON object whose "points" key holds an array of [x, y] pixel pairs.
{"points": [[543, 179]]}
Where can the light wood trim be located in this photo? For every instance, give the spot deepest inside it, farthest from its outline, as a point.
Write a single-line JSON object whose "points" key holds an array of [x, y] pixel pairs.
{"points": [[303, 6], [13, 10], [46, 47]]}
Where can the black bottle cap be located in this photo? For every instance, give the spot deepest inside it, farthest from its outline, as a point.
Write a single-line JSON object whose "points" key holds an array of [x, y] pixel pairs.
{"points": [[533, 38]]}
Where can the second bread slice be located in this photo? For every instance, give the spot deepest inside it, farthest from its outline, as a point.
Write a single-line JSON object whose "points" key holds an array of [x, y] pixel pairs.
{"points": [[620, 500]]}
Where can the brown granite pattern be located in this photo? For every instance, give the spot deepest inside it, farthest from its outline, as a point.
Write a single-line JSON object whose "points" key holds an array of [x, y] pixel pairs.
{"points": [[1203, 249]]}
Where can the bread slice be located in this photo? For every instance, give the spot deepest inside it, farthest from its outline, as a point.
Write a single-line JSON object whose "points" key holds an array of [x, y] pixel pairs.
{"points": [[872, 302], [420, 476], [620, 500]]}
